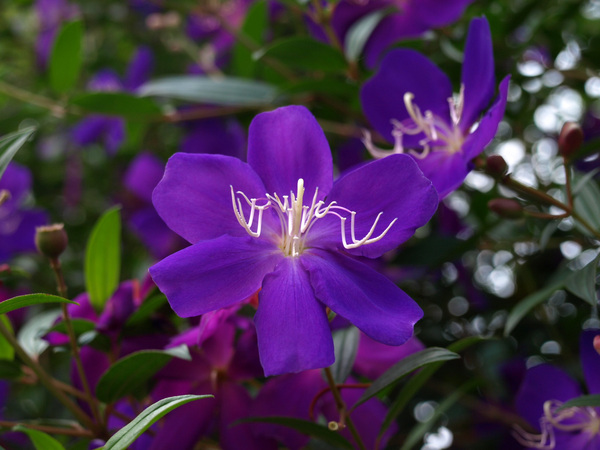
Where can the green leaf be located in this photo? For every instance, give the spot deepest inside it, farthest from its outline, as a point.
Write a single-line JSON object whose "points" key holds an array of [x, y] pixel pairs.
{"points": [[217, 91], [583, 401], [417, 433], [404, 367], [118, 104], [415, 382], [587, 206], [255, 24], [10, 370], [7, 351], [360, 32], [103, 258], [23, 301], [123, 438], [582, 282], [304, 53], [129, 373], [30, 334], [10, 144], [40, 440], [305, 427], [66, 57], [345, 343]]}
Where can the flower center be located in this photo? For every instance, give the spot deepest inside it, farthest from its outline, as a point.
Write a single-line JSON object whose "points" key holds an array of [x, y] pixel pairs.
{"points": [[439, 135], [296, 218], [571, 420]]}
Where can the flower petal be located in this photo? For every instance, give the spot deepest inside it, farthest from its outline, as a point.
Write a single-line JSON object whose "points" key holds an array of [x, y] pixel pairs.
{"points": [[382, 96], [291, 324], [447, 171], [287, 144], [363, 296], [214, 274], [194, 196], [394, 186], [477, 72], [590, 360], [374, 358]]}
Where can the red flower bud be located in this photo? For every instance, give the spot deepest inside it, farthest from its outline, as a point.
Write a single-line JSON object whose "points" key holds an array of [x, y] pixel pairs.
{"points": [[506, 207], [570, 139]]}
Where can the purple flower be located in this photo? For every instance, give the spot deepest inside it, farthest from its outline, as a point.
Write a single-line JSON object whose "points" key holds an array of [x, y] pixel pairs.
{"points": [[274, 224], [17, 224], [222, 136], [416, 111], [409, 19], [545, 388]]}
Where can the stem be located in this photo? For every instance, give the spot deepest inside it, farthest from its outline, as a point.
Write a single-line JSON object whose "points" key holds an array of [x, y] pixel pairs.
{"points": [[311, 408], [49, 382], [568, 182], [62, 290], [55, 108], [49, 429], [341, 406]]}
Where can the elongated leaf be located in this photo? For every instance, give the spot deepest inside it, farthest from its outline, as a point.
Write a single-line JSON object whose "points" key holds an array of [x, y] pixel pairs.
{"points": [[417, 433], [583, 401], [305, 427], [23, 301], [587, 206], [361, 31], [582, 283], [123, 438], [10, 144], [404, 367], [305, 53], [103, 258], [118, 104], [217, 91], [345, 343], [66, 57], [30, 334], [129, 373], [7, 351], [255, 24], [418, 380], [146, 309], [40, 440]]}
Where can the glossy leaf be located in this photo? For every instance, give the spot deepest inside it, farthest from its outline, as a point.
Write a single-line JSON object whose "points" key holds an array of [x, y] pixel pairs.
{"points": [[582, 282], [305, 427], [7, 352], [127, 374], [254, 27], [404, 367], [217, 91], [587, 206], [30, 334], [118, 104], [23, 301], [304, 53], [103, 258], [40, 440], [583, 401], [66, 57], [360, 32], [345, 343], [10, 144], [127, 435]]}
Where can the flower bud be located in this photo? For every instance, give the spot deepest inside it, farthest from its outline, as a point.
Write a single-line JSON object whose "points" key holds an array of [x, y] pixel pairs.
{"points": [[496, 166], [506, 207], [51, 240], [570, 139], [597, 344]]}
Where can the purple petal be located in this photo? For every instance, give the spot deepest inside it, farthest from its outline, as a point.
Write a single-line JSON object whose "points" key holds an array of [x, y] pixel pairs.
{"points": [[542, 383], [246, 360], [143, 174], [477, 72], [446, 170], [194, 196], [89, 129], [382, 96], [446, 11], [291, 324], [590, 360], [216, 136], [214, 274], [393, 186], [486, 130], [16, 179], [287, 144], [106, 80], [374, 358], [114, 135], [154, 233], [17, 232], [364, 297], [139, 69]]}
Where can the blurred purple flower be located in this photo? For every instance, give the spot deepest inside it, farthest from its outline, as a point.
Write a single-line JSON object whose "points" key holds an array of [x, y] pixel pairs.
{"points": [[110, 130], [51, 14], [408, 19], [17, 223], [416, 111], [267, 224], [543, 391], [222, 136]]}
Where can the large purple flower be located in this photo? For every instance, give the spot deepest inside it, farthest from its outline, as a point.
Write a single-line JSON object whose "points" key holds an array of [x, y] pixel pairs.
{"points": [[545, 388], [415, 109], [274, 224]]}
